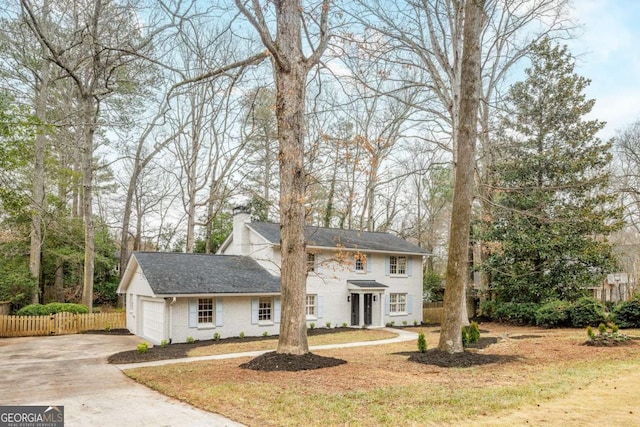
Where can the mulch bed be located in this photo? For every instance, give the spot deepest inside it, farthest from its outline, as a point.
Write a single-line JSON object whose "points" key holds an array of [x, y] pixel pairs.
{"points": [[273, 361], [468, 358], [181, 350], [458, 360]]}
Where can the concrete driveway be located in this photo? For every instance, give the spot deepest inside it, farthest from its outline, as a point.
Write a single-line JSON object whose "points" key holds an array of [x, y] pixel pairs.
{"points": [[71, 370]]}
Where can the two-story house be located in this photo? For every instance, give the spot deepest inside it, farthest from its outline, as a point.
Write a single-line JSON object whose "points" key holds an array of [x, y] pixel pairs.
{"points": [[354, 278]]}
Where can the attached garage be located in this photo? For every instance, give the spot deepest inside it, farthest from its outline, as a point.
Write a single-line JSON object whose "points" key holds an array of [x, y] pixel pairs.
{"points": [[153, 313]]}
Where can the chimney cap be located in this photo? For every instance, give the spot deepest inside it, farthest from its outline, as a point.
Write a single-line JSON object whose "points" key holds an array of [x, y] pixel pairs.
{"points": [[241, 209]]}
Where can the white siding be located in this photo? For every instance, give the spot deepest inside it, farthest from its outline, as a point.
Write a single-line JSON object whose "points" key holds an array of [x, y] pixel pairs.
{"points": [[236, 319]]}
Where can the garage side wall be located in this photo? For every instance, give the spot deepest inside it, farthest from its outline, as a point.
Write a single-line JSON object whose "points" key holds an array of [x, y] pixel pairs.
{"points": [[138, 287], [233, 316]]}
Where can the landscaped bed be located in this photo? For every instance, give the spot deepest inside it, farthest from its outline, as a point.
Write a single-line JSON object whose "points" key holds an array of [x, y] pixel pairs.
{"points": [[379, 385], [318, 336]]}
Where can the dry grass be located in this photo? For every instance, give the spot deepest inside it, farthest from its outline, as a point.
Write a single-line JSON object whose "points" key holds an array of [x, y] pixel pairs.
{"points": [[335, 338], [379, 387]]}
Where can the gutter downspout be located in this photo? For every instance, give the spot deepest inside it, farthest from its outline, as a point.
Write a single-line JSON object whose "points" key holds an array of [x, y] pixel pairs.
{"points": [[173, 300]]}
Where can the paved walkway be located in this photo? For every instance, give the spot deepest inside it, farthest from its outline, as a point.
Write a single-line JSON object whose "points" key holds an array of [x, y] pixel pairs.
{"points": [[403, 336]]}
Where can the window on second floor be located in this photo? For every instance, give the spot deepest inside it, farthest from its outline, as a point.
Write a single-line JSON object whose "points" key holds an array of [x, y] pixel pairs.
{"points": [[311, 262], [397, 264], [360, 261]]}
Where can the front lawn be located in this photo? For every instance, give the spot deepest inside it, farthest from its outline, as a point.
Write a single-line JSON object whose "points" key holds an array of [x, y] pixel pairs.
{"points": [[379, 386]]}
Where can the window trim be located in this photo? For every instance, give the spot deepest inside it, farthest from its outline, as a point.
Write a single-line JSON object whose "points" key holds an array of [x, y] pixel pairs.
{"points": [[360, 260], [311, 262], [263, 311], [400, 299], [313, 306], [394, 267], [211, 309]]}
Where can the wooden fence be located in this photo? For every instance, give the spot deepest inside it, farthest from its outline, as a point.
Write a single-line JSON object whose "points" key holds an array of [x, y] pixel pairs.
{"points": [[59, 324], [433, 312]]}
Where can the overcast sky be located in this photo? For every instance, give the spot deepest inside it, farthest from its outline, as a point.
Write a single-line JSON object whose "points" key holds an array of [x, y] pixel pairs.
{"points": [[609, 55]]}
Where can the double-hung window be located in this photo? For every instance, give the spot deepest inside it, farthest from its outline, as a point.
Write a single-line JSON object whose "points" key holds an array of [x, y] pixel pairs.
{"points": [[360, 261], [398, 265], [397, 303], [311, 262], [265, 309], [310, 307], [205, 311]]}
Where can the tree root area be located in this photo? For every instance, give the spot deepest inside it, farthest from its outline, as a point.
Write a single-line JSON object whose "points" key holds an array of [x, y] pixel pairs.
{"points": [[466, 359], [273, 361]]}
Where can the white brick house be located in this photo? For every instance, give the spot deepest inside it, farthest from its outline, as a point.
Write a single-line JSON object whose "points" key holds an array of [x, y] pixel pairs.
{"points": [[355, 278]]}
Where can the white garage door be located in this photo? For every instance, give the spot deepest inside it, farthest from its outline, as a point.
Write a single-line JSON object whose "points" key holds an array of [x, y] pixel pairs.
{"points": [[153, 320]]}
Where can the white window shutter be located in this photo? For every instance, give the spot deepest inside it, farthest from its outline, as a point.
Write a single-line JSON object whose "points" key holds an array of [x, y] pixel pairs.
{"points": [[409, 266], [193, 313], [318, 263], [254, 311], [369, 261], [387, 265], [409, 304], [320, 304], [387, 304], [276, 310], [219, 314]]}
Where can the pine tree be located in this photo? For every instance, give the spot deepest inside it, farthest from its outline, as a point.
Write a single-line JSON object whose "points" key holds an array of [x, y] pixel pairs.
{"points": [[549, 228]]}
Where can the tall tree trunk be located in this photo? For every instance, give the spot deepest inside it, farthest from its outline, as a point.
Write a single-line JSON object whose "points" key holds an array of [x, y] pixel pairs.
{"points": [[89, 116], [37, 202], [290, 96], [458, 261]]}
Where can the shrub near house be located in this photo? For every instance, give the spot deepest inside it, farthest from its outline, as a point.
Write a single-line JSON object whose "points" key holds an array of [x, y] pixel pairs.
{"points": [[52, 308]]}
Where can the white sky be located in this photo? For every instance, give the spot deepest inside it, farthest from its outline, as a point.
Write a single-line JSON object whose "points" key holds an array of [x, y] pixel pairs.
{"points": [[609, 54]]}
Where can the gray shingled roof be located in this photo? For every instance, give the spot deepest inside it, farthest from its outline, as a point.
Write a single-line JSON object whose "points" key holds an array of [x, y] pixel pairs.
{"points": [[170, 273], [349, 239]]}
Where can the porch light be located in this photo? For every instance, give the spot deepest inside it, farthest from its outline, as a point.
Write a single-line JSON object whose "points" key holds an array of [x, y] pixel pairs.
{"points": [[375, 298], [348, 298]]}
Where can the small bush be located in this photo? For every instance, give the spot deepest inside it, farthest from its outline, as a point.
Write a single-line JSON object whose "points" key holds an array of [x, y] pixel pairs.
{"points": [[627, 314], [328, 325], [553, 314], [488, 308], [265, 334], [190, 340], [312, 325], [241, 335], [474, 333], [465, 336], [405, 323], [586, 311], [344, 324], [216, 336], [605, 337], [164, 343], [52, 308], [143, 347], [415, 323], [422, 343]]}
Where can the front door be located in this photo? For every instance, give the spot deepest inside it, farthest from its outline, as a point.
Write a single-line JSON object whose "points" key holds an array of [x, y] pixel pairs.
{"points": [[355, 309], [368, 308]]}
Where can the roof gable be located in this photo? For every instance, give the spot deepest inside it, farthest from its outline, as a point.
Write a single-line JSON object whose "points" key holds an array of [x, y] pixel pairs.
{"points": [[171, 273], [335, 237]]}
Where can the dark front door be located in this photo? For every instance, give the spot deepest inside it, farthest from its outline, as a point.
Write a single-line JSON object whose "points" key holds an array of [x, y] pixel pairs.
{"points": [[355, 309], [368, 308]]}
